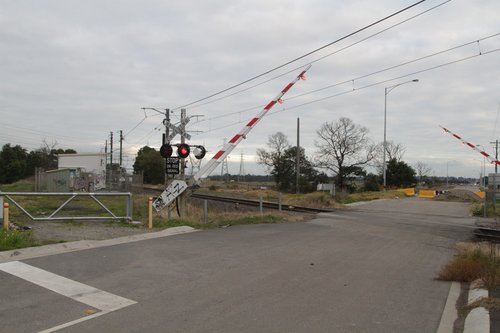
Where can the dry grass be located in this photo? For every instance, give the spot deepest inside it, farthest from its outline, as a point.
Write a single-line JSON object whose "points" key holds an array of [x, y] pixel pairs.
{"points": [[222, 216], [474, 261]]}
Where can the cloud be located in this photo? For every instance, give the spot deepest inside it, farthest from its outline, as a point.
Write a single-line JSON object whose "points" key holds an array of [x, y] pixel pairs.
{"points": [[78, 70]]}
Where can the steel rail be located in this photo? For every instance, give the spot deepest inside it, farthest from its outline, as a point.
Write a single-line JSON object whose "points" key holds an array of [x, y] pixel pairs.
{"points": [[265, 204], [487, 234]]}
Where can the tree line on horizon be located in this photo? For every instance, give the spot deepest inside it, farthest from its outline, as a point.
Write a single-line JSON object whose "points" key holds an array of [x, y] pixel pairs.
{"points": [[17, 163]]}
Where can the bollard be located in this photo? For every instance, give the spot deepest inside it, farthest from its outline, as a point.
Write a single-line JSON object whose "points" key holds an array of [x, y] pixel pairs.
{"points": [[150, 213], [6, 216]]}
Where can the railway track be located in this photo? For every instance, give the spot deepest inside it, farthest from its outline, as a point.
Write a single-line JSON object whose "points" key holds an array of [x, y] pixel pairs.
{"points": [[487, 234], [254, 203]]}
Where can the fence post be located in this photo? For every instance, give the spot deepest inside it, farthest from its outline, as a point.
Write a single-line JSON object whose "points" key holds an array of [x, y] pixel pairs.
{"points": [[150, 213], [1, 205], [205, 211], [279, 202], [130, 207], [261, 206], [6, 216]]}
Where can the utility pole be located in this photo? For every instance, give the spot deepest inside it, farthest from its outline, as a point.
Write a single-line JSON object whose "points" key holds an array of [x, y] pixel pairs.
{"points": [[297, 169], [496, 154], [241, 176], [182, 198], [106, 157], [165, 140], [111, 160], [121, 148]]}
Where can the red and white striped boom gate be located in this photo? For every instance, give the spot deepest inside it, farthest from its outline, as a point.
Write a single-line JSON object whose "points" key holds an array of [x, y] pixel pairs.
{"points": [[175, 188], [482, 152]]}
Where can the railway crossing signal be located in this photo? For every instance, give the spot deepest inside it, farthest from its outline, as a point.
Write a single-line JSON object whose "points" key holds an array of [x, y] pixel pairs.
{"points": [[177, 187], [183, 150], [199, 152], [166, 150]]}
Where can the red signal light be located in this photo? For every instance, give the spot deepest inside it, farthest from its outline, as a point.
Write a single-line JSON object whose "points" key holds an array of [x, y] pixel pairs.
{"points": [[183, 150]]}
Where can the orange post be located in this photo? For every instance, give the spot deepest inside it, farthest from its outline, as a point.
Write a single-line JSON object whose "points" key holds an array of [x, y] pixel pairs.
{"points": [[150, 213], [6, 216]]}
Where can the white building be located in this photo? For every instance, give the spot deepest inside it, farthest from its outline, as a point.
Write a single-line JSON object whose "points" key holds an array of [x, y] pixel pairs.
{"points": [[94, 164]]}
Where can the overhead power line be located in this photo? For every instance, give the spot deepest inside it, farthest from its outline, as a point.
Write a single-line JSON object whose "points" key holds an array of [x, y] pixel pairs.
{"points": [[353, 80], [302, 56], [323, 57], [365, 87]]}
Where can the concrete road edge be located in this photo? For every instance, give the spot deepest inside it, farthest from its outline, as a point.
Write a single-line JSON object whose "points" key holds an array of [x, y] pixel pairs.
{"points": [[450, 311], [47, 250]]}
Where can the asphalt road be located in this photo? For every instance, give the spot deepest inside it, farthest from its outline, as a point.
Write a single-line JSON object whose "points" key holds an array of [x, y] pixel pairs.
{"points": [[368, 269]]}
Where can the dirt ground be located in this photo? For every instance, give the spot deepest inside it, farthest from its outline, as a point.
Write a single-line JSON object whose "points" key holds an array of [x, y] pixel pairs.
{"points": [[53, 232]]}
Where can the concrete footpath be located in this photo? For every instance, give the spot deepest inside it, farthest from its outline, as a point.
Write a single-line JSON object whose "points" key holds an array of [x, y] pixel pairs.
{"points": [[477, 320]]}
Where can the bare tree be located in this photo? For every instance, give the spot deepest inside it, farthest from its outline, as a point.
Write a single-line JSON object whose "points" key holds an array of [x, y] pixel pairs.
{"points": [[278, 143], [393, 151], [273, 159], [422, 170], [343, 148]]}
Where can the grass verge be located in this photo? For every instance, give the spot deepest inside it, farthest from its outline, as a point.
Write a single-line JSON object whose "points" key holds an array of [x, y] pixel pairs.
{"points": [[13, 239]]}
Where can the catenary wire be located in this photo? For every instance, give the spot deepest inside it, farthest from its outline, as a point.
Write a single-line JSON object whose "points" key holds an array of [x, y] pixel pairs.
{"points": [[323, 57], [302, 56], [363, 87], [357, 78]]}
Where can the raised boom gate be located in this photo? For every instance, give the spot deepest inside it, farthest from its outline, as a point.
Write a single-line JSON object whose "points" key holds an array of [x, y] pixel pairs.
{"points": [[177, 187], [53, 217]]}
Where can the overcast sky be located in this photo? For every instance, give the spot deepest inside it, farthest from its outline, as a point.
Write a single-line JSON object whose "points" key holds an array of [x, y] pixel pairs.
{"points": [[74, 71]]}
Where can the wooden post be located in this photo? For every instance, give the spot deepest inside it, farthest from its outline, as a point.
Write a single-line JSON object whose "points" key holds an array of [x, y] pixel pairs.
{"points": [[6, 216], [150, 213]]}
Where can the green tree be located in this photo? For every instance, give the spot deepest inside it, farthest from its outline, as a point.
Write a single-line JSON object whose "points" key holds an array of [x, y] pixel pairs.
{"points": [[281, 161], [308, 175], [372, 183], [45, 157], [12, 163], [151, 164], [400, 174], [273, 159]]}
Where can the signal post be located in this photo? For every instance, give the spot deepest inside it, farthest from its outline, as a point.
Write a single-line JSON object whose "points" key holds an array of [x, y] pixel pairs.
{"points": [[176, 165]]}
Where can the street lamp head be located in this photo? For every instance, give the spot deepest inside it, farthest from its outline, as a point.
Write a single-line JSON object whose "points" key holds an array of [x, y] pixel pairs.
{"points": [[415, 80]]}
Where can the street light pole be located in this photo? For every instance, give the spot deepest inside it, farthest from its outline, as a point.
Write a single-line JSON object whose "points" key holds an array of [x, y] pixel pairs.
{"points": [[387, 91]]}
